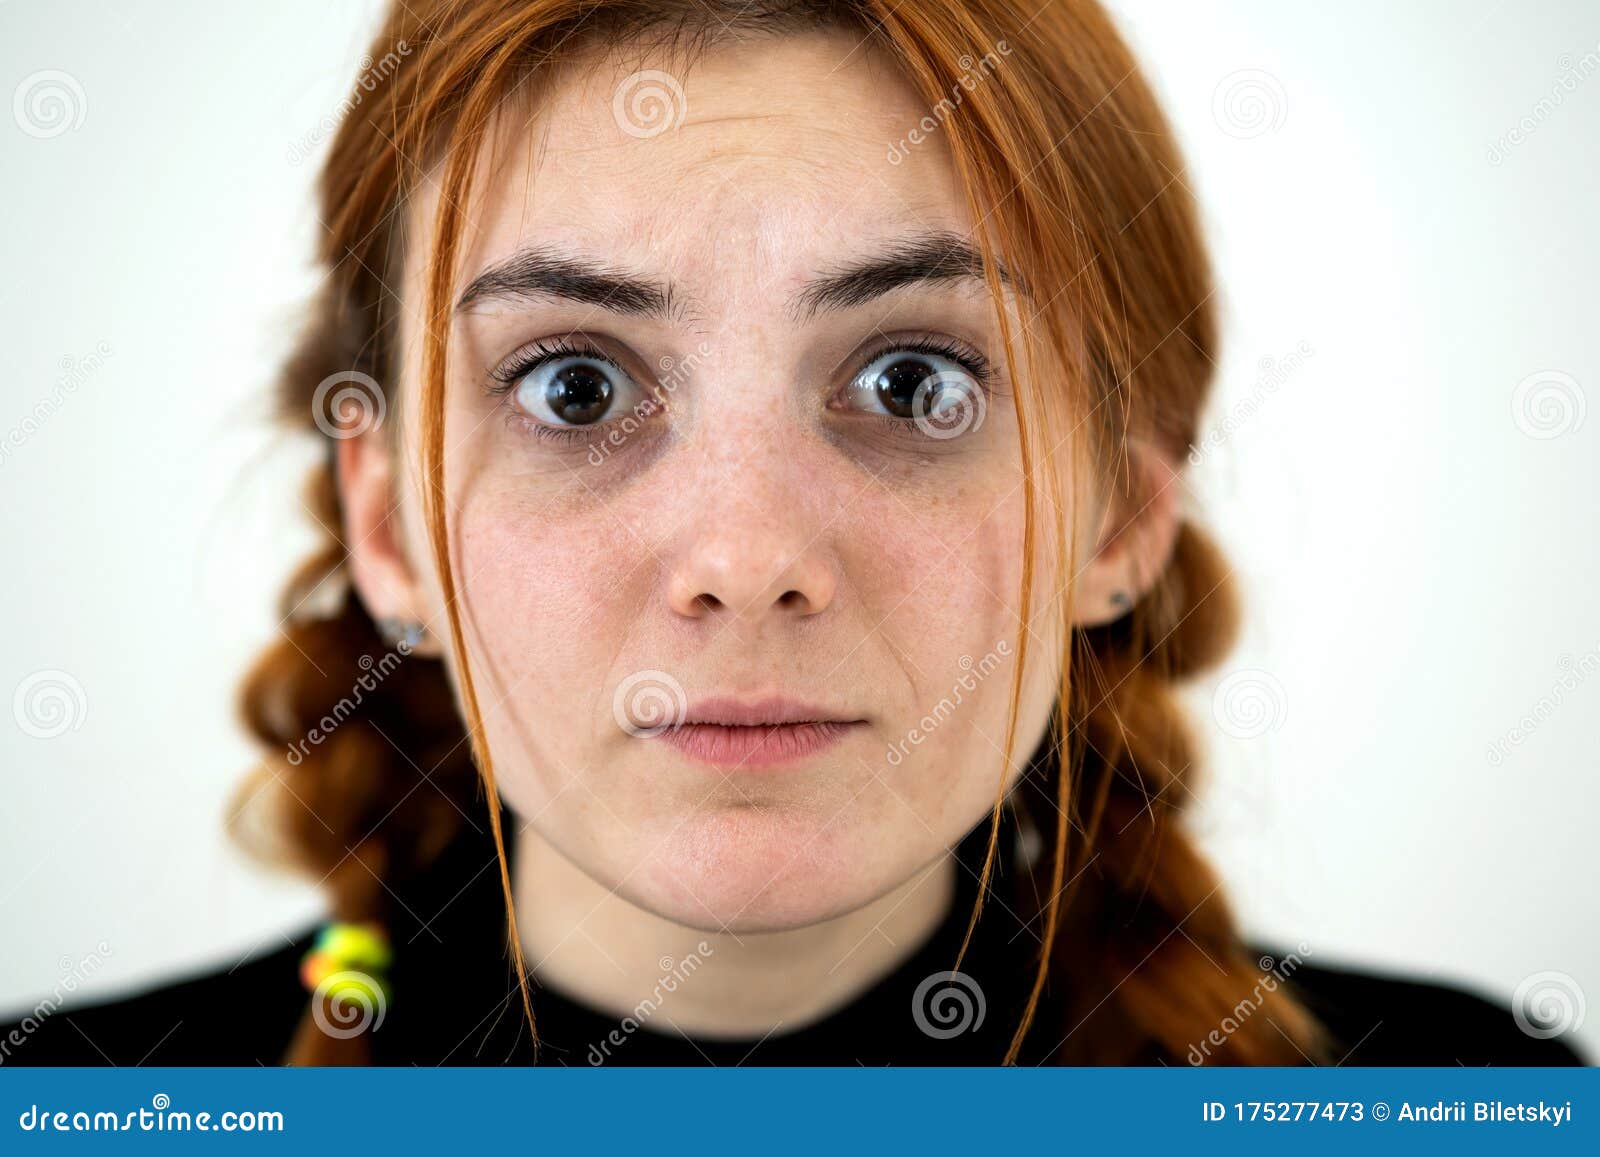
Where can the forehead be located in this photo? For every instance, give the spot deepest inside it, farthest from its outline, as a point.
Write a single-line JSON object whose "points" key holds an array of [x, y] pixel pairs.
{"points": [[739, 176]]}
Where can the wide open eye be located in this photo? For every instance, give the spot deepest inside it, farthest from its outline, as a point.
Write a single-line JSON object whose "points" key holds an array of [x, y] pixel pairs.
{"points": [[941, 392], [572, 391], [566, 386]]}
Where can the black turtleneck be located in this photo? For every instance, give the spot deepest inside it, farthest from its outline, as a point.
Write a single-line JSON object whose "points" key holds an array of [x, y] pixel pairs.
{"points": [[455, 1002]]}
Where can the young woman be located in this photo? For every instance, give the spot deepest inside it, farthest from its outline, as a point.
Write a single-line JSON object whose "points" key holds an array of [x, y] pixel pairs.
{"points": [[756, 577]]}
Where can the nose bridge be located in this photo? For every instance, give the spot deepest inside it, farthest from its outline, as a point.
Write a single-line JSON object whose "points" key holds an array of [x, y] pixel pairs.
{"points": [[751, 542]]}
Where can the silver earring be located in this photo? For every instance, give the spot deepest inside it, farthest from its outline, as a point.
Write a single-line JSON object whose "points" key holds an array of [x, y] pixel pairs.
{"points": [[403, 634], [1121, 599]]}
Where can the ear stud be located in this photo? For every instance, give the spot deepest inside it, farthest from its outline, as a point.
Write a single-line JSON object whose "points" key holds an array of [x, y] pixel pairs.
{"points": [[402, 634]]}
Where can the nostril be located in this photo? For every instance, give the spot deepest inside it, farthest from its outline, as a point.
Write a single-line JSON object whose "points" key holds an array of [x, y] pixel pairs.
{"points": [[719, 580]]}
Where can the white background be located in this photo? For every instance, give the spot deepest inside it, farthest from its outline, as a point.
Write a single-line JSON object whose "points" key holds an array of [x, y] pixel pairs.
{"points": [[1420, 568]]}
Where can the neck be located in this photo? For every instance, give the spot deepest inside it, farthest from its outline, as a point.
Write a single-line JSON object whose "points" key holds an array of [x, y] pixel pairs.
{"points": [[599, 949]]}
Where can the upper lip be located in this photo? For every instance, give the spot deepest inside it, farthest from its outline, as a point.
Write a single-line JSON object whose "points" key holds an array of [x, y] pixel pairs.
{"points": [[765, 711]]}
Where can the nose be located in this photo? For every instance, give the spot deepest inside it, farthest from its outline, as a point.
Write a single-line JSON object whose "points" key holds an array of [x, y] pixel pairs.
{"points": [[751, 510], [749, 576]]}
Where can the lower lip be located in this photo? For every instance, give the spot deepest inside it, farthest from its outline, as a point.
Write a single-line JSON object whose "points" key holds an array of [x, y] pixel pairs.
{"points": [[748, 747]]}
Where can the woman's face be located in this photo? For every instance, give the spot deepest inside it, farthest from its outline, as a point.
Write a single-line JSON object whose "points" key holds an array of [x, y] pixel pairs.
{"points": [[730, 446]]}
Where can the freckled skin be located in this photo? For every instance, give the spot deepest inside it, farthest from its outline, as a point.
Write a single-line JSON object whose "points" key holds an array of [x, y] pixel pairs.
{"points": [[575, 575]]}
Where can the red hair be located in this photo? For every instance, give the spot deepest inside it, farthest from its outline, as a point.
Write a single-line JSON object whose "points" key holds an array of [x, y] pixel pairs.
{"points": [[1072, 172]]}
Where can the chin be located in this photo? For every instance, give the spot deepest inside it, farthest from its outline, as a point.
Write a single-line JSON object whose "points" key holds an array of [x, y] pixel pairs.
{"points": [[759, 869]]}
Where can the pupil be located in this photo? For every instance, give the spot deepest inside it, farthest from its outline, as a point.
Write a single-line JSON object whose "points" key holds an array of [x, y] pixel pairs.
{"points": [[897, 385], [578, 394]]}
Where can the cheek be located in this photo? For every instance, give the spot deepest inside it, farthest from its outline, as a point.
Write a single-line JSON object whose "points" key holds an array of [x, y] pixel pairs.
{"points": [[562, 599], [939, 569], [548, 612], [941, 583]]}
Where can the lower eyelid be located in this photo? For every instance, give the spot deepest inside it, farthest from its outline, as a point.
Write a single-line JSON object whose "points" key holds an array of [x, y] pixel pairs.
{"points": [[562, 433], [987, 385], [593, 432], [905, 429], [517, 419]]}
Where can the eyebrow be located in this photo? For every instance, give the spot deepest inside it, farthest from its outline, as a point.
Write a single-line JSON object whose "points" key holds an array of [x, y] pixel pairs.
{"points": [[544, 271], [929, 259]]}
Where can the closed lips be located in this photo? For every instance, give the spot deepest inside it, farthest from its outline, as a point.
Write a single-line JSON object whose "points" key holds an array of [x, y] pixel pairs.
{"points": [[732, 734]]}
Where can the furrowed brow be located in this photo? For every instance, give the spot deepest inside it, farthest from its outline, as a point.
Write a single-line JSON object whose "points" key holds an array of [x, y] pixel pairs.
{"points": [[542, 271], [935, 257], [546, 272]]}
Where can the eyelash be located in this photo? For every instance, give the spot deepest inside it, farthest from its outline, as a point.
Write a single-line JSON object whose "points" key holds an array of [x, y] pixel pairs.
{"points": [[535, 354], [529, 358], [969, 359]]}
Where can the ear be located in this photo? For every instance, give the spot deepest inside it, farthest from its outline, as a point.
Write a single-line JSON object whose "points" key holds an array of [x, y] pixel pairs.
{"points": [[383, 576], [1137, 535]]}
